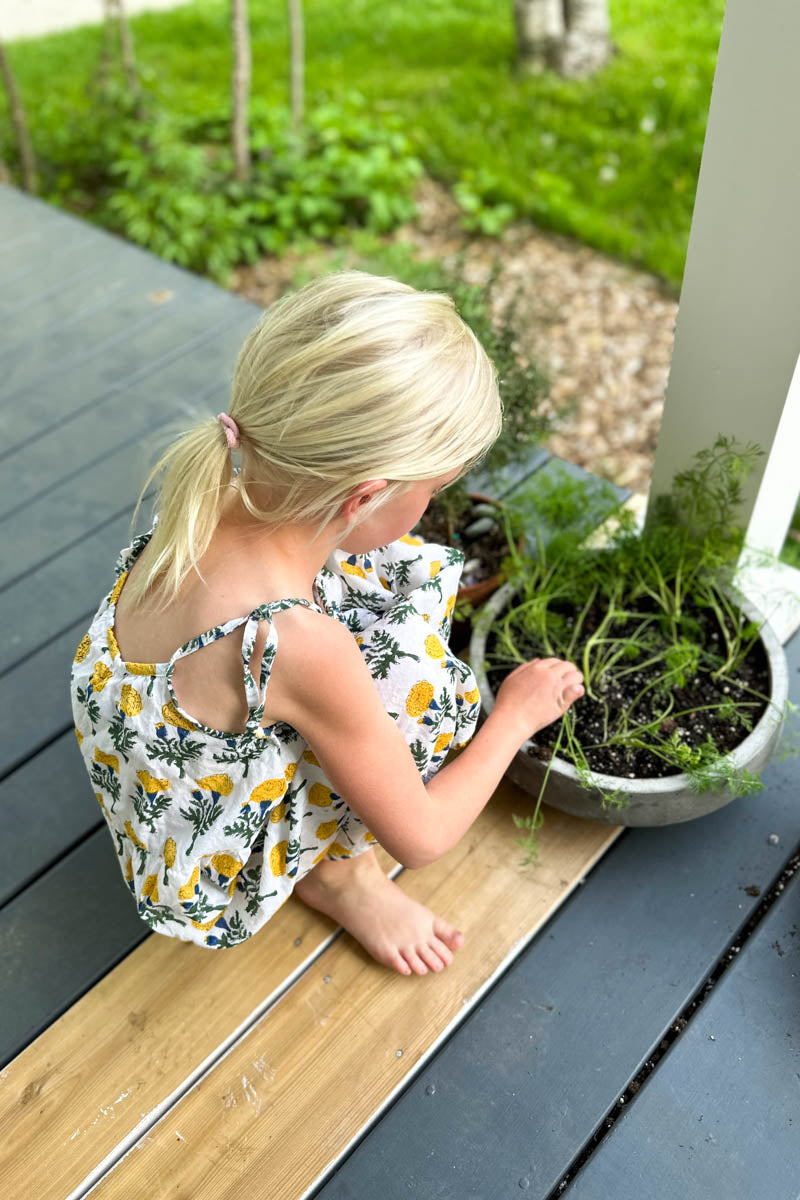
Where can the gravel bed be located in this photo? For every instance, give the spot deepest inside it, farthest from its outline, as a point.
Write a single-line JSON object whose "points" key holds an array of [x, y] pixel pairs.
{"points": [[603, 330]]}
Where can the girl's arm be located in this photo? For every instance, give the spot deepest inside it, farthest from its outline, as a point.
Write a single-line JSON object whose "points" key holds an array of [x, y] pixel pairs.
{"points": [[333, 703]]}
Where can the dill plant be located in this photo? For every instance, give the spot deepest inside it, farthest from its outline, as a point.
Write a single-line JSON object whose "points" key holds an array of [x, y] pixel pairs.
{"points": [[652, 619]]}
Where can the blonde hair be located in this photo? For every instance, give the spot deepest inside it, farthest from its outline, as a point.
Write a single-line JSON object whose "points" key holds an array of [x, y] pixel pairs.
{"points": [[353, 377]]}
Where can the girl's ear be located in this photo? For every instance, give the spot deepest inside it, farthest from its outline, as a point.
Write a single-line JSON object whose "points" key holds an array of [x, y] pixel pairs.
{"points": [[362, 495]]}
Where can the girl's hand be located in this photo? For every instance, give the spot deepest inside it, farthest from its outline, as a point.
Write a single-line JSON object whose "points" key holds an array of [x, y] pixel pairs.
{"points": [[539, 692]]}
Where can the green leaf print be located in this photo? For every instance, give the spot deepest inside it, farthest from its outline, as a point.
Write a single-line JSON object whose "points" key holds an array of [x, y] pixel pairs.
{"points": [[247, 883], [104, 780], [245, 827], [401, 569], [122, 736], [432, 585], [453, 555], [91, 708], [201, 908], [230, 934], [174, 753], [158, 914], [246, 749], [201, 815], [400, 613], [420, 753], [149, 811], [382, 651]]}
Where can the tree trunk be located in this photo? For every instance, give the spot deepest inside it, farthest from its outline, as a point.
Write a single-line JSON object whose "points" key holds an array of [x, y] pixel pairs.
{"points": [[587, 44], [240, 87], [297, 57], [540, 33], [26, 154], [568, 36], [128, 58]]}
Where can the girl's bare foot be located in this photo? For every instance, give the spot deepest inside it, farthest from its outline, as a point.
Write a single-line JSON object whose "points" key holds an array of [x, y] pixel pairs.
{"points": [[393, 928]]}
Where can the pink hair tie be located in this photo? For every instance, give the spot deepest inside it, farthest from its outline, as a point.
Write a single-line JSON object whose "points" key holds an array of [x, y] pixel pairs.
{"points": [[231, 430]]}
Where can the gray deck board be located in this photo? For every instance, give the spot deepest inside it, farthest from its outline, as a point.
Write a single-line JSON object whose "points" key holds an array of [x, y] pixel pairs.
{"points": [[59, 938], [50, 808], [521, 1086], [721, 1115]]}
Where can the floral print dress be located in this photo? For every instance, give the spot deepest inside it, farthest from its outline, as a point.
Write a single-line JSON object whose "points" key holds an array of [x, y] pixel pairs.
{"points": [[213, 829]]}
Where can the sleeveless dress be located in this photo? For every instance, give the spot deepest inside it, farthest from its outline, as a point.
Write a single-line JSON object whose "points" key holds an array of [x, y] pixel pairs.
{"points": [[213, 829]]}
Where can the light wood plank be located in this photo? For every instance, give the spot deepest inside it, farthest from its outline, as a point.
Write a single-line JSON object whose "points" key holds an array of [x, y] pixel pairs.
{"points": [[338, 1031], [121, 1052]]}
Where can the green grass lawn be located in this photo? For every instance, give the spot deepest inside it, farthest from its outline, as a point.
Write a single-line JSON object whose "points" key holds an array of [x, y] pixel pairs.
{"points": [[612, 160]]}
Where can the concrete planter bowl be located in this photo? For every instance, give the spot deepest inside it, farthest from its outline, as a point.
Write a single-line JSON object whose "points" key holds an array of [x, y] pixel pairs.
{"points": [[664, 801]]}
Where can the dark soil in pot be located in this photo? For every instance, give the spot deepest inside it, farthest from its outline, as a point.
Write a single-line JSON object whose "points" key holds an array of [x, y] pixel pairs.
{"points": [[692, 722], [487, 550]]}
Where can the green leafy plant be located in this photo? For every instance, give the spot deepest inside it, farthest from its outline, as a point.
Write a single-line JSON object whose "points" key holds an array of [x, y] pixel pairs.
{"points": [[669, 659]]}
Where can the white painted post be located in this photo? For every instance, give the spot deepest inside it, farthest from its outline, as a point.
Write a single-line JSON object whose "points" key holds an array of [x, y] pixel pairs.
{"points": [[737, 337]]}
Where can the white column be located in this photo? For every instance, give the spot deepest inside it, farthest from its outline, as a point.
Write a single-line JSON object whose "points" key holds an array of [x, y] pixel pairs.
{"points": [[737, 337]]}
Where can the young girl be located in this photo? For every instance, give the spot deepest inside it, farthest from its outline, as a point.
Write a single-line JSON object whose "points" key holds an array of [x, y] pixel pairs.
{"points": [[312, 697]]}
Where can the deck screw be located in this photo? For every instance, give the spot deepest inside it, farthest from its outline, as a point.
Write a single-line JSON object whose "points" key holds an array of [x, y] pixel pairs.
{"points": [[298, 941], [430, 1090], [398, 1053], [326, 978], [773, 839], [524, 1182]]}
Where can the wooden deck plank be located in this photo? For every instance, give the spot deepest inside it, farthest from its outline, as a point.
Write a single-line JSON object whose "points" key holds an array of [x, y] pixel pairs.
{"points": [[338, 1030], [122, 1051], [521, 1087], [721, 1114], [82, 903]]}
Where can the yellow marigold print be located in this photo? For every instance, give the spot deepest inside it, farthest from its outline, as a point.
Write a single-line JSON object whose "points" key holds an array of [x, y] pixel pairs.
{"points": [[277, 858], [100, 676], [278, 813], [290, 770], [442, 741], [187, 891], [84, 647], [78, 735], [112, 643], [337, 850], [327, 829], [370, 837], [99, 798], [436, 567], [131, 832], [410, 540], [171, 715], [472, 696], [419, 698], [129, 869], [433, 646], [107, 760], [310, 757], [118, 586], [150, 888], [221, 784], [130, 700], [169, 852], [451, 603], [319, 795], [210, 923], [266, 792], [227, 867], [353, 569], [385, 583], [151, 785], [134, 668]]}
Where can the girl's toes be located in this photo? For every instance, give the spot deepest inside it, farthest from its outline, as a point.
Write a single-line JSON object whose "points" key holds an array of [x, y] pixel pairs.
{"points": [[399, 963], [414, 961], [445, 954], [451, 936], [429, 956]]}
